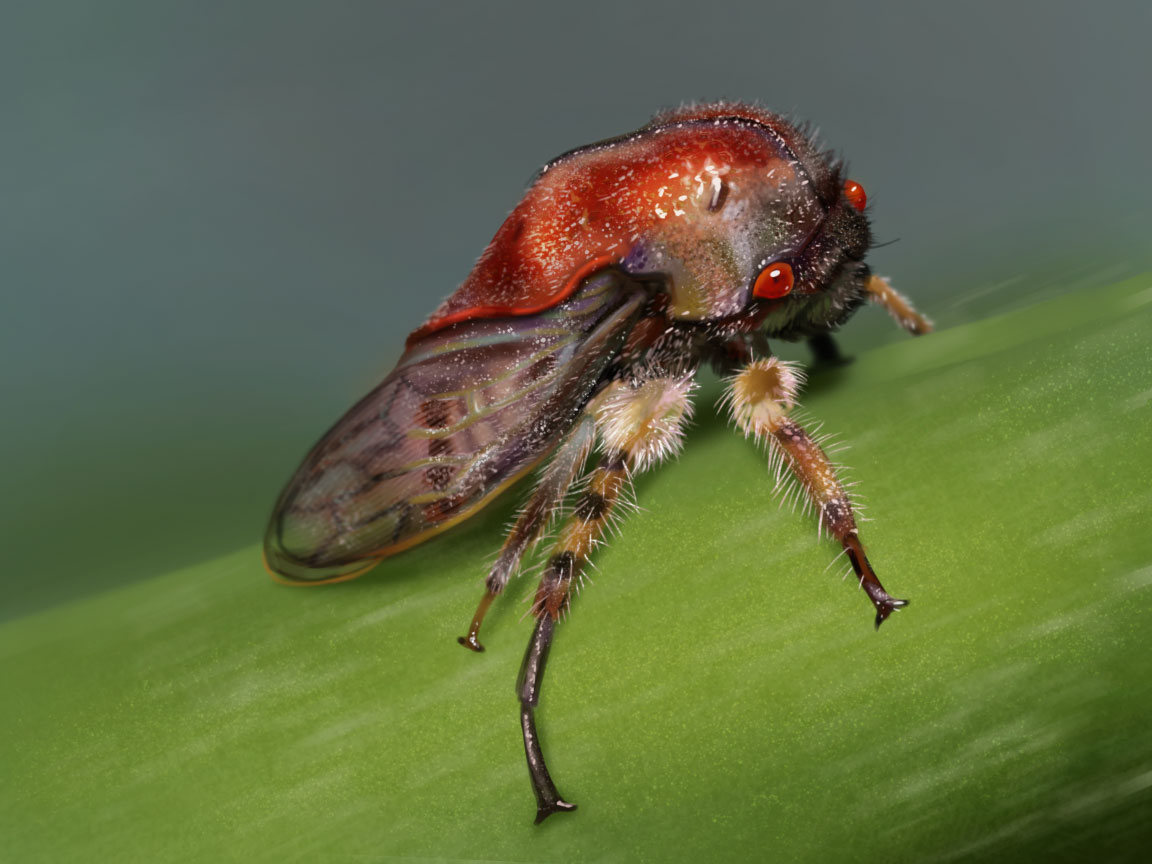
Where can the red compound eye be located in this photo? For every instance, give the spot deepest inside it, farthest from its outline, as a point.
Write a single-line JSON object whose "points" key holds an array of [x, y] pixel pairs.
{"points": [[855, 194], [775, 280]]}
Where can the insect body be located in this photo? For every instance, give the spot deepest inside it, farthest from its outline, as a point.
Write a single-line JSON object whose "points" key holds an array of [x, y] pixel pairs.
{"points": [[627, 265]]}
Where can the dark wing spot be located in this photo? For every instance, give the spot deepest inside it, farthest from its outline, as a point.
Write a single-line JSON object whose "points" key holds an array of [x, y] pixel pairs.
{"points": [[440, 446], [439, 476], [433, 414], [542, 368], [440, 510]]}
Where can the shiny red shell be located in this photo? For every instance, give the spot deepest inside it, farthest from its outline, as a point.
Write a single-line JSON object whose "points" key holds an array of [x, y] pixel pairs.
{"points": [[589, 208]]}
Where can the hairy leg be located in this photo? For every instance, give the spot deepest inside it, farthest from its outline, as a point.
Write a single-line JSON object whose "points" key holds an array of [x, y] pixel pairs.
{"points": [[760, 398], [638, 426], [534, 518], [898, 306]]}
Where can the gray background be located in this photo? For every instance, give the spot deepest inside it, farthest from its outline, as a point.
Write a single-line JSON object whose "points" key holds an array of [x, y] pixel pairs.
{"points": [[218, 221]]}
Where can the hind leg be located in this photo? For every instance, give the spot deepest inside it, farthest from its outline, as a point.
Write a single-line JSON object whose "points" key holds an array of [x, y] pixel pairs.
{"points": [[639, 426]]}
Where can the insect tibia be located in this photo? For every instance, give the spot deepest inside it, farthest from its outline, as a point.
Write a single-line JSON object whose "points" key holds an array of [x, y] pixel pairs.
{"points": [[762, 399], [555, 585], [638, 424], [547, 499], [817, 478]]}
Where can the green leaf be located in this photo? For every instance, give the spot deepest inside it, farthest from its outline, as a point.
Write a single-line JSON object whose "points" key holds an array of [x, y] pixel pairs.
{"points": [[716, 695]]}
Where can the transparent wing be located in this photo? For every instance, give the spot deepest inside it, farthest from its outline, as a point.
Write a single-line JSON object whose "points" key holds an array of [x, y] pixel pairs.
{"points": [[466, 412]]}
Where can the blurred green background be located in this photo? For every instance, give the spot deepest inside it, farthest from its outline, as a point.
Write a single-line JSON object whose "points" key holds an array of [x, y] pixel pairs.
{"points": [[220, 221]]}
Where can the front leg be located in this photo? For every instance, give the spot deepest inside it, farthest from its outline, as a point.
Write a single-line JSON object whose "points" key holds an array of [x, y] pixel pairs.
{"points": [[760, 398], [899, 307]]}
